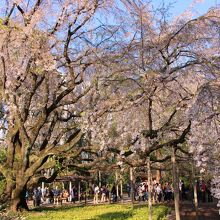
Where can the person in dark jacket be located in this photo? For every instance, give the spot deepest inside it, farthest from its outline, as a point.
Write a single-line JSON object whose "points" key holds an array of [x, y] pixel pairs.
{"points": [[114, 193]]}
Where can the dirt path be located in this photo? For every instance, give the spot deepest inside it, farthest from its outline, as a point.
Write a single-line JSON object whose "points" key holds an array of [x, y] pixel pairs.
{"points": [[207, 211]]}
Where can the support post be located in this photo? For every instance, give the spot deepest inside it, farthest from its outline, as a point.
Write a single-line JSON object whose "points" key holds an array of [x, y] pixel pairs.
{"points": [[195, 190], [42, 189], [175, 184], [121, 189], [70, 191], [132, 185], [100, 179], [149, 189], [79, 192], [86, 193], [116, 181]]}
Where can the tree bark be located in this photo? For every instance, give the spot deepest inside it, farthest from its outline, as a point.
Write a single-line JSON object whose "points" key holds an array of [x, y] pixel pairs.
{"points": [[175, 184], [121, 189], [9, 186], [79, 192], [150, 210], [86, 192], [70, 191], [116, 181], [195, 190], [100, 178], [18, 200], [158, 172], [132, 186]]}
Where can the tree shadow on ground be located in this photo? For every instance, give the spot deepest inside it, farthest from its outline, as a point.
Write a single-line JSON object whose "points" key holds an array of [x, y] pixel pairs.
{"points": [[113, 216], [138, 206], [54, 208]]}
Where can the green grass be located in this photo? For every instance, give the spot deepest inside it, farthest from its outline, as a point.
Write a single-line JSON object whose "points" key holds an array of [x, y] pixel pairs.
{"points": [[99, 212]]}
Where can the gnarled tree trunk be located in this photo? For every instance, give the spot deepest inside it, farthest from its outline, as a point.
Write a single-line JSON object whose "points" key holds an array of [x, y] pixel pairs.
{"points": [[18, 198]]}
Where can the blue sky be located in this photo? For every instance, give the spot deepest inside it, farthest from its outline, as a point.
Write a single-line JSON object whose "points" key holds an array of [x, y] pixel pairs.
{"points": [[181, 5]]}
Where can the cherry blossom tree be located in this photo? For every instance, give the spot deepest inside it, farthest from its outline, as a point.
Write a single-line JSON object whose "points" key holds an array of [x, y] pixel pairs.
{"points": [[127, 87], [204, 138], [49, 56], [168, 62]]}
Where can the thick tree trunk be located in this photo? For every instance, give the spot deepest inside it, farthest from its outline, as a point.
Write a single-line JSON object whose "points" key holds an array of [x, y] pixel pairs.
{"points": [[9, 187], [175, 185], [150, 215], [18, 200], [5, 197], [4, 200], [15, 204], [158, 174]]}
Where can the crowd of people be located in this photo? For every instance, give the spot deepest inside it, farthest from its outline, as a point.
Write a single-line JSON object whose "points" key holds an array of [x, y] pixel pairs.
{"points": [[204, 191], [105, 194], [50, 196], [161, 192], [56, 195]]}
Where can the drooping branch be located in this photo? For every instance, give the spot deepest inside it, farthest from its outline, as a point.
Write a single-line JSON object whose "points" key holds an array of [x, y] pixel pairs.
{"points": [[53, 150], [172, 142], [6, 20]]}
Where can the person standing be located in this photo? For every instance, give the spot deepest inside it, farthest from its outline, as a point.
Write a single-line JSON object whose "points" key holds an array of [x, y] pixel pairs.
{"points": [[168, 191], [51, 195], [103, 194], [96, 195], [56, 193], [159, 192], [37, 196], [114, 193], [73, 194], [34, 197], [208, 190], [198, 189], [128, 189], [140, 193], [203, 189], [182, 190], [107, 194]]}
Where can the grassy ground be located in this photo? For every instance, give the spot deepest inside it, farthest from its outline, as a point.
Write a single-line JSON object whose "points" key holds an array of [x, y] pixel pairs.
{"points": [[99, 212]]}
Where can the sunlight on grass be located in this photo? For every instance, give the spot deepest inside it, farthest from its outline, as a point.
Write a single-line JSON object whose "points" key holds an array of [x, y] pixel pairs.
{"points": [[100, 212]]}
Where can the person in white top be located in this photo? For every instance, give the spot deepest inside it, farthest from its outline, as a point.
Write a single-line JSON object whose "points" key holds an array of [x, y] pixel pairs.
{"points": [[158, 192], [96, 195]]}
